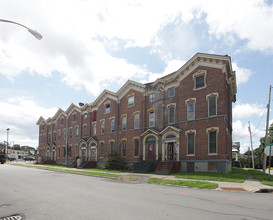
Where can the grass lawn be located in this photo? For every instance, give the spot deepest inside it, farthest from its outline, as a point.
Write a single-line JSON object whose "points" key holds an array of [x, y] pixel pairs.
{"points": [[188, 183], [237, 175], [263, 178]]}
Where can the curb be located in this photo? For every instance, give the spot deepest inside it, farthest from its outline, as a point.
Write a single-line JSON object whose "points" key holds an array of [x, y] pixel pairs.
{"points": [[264, 190]]}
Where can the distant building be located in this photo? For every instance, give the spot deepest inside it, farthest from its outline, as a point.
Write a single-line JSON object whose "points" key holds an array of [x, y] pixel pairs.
{"points": [[183, 117], [236, 149], [17, 154]]}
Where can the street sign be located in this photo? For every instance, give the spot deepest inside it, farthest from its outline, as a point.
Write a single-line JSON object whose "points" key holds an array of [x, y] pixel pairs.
{"points": [[267, 149], [268, 144]]}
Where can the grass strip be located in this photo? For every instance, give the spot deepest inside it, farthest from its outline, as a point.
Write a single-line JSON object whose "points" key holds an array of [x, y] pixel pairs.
{"points": [[237, 175], [259, 175], [71, 171], [188, 183]]}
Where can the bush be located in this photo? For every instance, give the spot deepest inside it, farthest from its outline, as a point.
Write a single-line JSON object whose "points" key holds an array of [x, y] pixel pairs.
{"points": [[115, 162]]}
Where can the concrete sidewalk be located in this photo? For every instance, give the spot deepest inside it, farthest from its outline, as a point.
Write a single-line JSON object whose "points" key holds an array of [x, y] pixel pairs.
{"points": [[250, 184]]}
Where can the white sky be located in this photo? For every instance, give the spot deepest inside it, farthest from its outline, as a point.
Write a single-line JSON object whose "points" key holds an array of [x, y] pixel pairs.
{"points": [[89, 46]]}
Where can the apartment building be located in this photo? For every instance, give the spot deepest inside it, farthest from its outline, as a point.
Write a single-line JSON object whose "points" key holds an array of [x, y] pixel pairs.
{"points": [[185, 116]]}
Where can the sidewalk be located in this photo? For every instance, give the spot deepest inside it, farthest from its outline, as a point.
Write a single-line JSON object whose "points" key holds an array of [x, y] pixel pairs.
{"points": [[250, 184]]}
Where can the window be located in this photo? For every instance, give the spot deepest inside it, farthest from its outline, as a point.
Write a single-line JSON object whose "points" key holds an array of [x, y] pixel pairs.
{"points": [[62, 121], [43, 127], [94, 117], [70, 132], [59, 152], [212, 142], [190, 137], [102, 149], [131, 101], [112, 123], [85, 116], [171, 110], [136, 147], [123, 148], [64, 134], [171, 92], [136, 120], [64, 151], [102, 127], [59, 135], [77, 131], [107, 108], [69, 150], [74, 117], [49, 137], [191, 110], [54, 136], [151, 118], [212, 106], [95, 128], [199, 81], [84, 130], [111, 146], [124, 122], [151, 97]]}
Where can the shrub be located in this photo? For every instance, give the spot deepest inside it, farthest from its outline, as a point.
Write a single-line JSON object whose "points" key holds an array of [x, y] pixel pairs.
{"points": [[115, 162]]}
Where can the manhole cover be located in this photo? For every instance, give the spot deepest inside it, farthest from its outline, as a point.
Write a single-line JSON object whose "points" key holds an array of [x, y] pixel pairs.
{"points": [[232, 189], [12, 217]]}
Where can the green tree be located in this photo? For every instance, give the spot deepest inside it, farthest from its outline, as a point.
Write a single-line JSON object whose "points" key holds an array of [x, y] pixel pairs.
{"points": [[16, 147], [115, 162], [259, 152]]}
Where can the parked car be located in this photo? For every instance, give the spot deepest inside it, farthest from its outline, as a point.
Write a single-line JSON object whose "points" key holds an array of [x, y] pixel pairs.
{"points": [[29, 159]]}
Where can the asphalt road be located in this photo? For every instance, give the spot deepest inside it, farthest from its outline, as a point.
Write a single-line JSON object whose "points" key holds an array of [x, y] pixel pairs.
{"points": [[40, 194]]}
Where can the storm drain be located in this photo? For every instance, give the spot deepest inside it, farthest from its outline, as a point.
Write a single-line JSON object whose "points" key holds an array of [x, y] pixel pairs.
{"points": [[12, 217]]}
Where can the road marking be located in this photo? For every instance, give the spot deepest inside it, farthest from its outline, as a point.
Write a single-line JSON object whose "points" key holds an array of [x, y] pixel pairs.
{"points": [[115, 184], [234, 199], [183, 193]]}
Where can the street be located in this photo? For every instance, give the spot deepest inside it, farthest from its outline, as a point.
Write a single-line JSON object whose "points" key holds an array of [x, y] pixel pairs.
{"points": [[42, 194]]}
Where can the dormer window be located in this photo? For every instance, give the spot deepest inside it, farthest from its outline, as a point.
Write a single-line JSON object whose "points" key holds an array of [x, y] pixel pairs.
{"points": [[107, 108], [171, 92], [62, 121], [200, 79], [74, 117], [131, 101]]}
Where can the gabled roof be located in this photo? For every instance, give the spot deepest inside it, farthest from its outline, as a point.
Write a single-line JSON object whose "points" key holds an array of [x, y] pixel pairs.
{"points": [[40, 121], [72, 108], [104, 95], [149, 131], [201, 59], [170, 128], [128, 86], [58, 114]]}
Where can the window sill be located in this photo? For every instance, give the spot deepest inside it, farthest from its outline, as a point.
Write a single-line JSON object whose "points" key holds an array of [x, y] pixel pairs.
{"points": [[190, 155], [212, 154]]}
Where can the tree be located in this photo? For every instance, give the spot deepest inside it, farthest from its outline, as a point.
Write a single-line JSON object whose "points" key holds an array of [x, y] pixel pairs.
{"points": [[16, 147], [260, 151], [115, 162]]}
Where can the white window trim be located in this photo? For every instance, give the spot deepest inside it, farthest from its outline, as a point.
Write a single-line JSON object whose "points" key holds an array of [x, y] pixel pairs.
{"points": [[208, 130], [186, 134], [186, 103], [199, 73], [211, 95]]}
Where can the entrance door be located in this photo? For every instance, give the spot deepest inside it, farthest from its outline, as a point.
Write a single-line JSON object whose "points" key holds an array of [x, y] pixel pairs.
{"points": [[93, 154], [170, 151], [83, 151], [150, 151]]}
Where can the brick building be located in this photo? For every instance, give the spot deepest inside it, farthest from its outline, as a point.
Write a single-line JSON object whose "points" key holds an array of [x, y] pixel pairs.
{"points": [[184, 117]]}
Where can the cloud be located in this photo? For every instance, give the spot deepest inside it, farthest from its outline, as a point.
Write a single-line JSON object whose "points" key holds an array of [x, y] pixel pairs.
{"points": [[246, 110], [242, 74], [20, 115]]}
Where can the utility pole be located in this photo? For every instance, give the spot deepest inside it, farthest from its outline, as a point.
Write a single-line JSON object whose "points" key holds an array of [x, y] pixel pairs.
{"points": [[249, 128], [267, 124]]}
